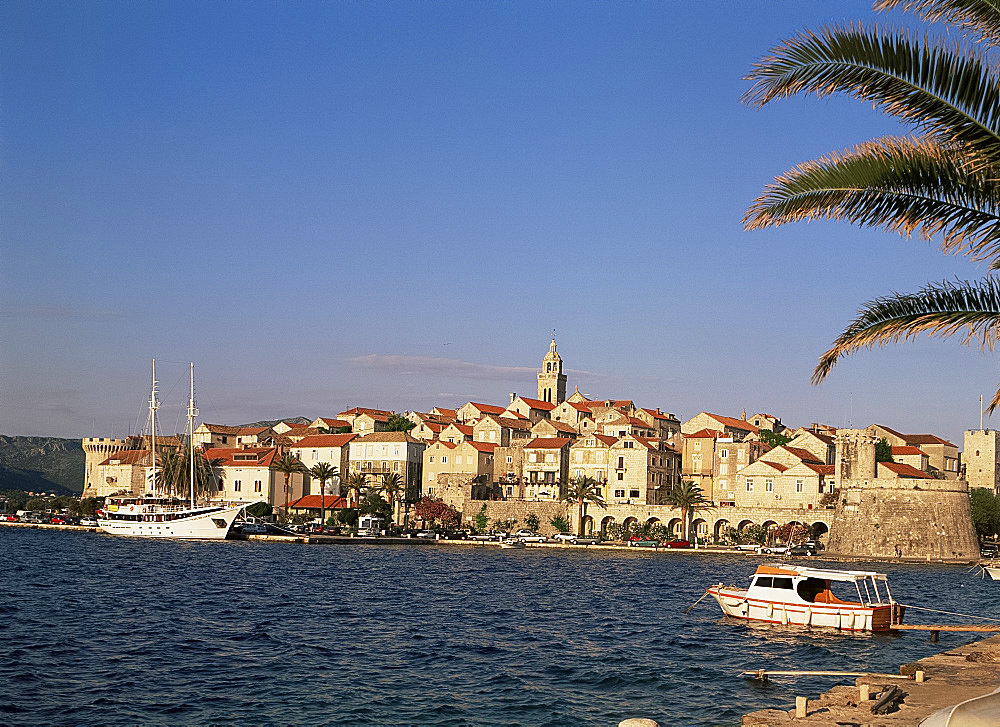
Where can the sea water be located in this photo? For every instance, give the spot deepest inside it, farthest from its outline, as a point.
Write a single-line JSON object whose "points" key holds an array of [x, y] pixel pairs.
{"points": [[102, 630]]}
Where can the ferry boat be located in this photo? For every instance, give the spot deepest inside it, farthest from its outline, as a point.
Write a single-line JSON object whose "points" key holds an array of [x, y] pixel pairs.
{"points": [[157, 516], [800, 595]]}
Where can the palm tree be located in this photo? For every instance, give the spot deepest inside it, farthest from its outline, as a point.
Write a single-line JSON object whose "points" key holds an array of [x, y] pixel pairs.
{"points": [[943, 180], [324, 472], [688, 497], [171, 470], [288, 464], [392, 485], [581, 490], [356, 482]]}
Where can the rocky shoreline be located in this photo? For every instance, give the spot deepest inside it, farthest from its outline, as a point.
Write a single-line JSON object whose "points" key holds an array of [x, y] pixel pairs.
{"points": [[963, 672]]}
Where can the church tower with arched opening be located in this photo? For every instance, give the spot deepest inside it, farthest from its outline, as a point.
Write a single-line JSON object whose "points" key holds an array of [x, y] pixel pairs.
{"points": [[551, 379]]}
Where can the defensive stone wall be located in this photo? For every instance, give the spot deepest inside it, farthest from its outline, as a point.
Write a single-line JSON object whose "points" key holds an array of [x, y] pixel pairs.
{"points": [[885, 520], [519, 510]]}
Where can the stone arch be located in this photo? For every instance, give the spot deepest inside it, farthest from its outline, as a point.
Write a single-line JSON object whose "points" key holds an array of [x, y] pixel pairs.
{"points": [[720, 528], [629, 523], [588, 525], [675, 526], [700, 527], [770, 524], [653, 520], [744, 524], [819, 529], [606, 523]]}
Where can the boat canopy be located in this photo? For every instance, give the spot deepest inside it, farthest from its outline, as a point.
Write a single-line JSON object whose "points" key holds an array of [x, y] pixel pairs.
{"points": [[851, 576]]}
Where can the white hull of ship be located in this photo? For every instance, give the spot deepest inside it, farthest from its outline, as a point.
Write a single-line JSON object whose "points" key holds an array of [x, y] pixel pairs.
{"points": [[843, 617], [993, 570], [212, 524]]}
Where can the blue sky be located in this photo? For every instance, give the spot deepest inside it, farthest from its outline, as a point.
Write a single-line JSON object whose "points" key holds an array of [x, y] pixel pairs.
{"points": [[394, 204]]}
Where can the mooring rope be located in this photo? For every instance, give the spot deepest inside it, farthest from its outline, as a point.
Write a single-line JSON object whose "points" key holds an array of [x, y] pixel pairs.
{"points": [[951, 613]]}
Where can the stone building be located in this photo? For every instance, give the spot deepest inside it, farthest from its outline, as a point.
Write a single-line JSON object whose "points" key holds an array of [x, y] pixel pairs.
{"points": [[545, 467], [900, 516], [97, 450], [333, 449], [380, 453], [784, 477], [469, 459], [942, 455], [500, 430], [712, 460], [551, 379], [736, 429], [981, 458], [245, 475]]}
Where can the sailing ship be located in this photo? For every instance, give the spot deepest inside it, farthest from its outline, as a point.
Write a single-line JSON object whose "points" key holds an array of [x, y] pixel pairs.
{"points": [[800, 595], [155, 515]]}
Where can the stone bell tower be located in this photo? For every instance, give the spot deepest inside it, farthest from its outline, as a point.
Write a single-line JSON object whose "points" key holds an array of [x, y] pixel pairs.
{"points": [[551, 379]]}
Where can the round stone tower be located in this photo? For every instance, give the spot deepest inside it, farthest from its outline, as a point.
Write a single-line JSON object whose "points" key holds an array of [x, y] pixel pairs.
{"points": [[899, 516], [97, 450]]}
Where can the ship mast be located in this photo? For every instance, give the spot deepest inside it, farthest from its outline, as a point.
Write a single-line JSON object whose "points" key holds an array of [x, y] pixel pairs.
{"points": [[153, 406], [192, 412]]}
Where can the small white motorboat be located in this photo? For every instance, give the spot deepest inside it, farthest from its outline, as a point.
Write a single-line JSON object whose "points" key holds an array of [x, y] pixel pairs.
{"points": [[800, 595]]}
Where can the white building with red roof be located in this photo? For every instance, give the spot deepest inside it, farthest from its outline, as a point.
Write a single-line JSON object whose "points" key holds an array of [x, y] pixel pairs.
{"points": [[245, 475], [330, 448]]}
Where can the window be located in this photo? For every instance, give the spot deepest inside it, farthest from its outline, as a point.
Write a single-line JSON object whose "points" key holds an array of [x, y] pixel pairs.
{"points": [[509, 459], [493, 435], [598, 492], [431, 458], [221, 486], [600, 457], [444, 458], [621, 475], [633, 493], [619, 493], [749, 484], [257, 486], [621, 463], [696, 465], [237, 485], [723, 453], [723, 469], [550, 457], [741, 454], [798, 485], [697, 445], [629, 445], [532, 457], [768, 485]]}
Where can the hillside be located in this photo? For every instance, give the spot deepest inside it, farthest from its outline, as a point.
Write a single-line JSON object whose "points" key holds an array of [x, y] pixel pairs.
{"points": [[41, 464]]}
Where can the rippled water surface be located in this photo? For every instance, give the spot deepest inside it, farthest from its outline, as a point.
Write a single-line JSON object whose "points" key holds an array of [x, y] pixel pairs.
{"points": [[103, 630]]}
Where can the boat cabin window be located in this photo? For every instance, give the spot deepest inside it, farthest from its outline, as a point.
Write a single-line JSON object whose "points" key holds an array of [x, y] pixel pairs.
{"points": [[773, 582], [810, 588]]}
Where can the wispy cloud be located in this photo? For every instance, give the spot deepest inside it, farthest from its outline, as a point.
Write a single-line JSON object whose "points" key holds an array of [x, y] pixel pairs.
{"points": [[431, 366]]}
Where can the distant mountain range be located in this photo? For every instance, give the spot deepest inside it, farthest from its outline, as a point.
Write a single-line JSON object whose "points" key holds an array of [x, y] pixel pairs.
{"points": [[41, 464], [51, 464]]}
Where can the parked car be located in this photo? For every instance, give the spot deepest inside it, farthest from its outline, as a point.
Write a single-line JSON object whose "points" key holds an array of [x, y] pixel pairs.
{"points": [[676, 543], [62, 520], [774, 549], [426, 534], [814, 544], [587, 540], [88, 522], [483, 537], [748, 547], [564, 537], [10, 518], [989, 550], [530, 537], [802, 549]]}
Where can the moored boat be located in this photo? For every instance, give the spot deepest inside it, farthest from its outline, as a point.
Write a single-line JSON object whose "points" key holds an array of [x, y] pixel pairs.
{"points": [[800, 595]]}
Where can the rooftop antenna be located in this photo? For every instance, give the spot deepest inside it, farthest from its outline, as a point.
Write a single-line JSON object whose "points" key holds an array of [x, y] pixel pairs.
{"points": [[980, 412]]}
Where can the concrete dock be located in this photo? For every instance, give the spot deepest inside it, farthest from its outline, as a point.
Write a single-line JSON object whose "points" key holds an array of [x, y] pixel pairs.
{"points": [[952, 676]]}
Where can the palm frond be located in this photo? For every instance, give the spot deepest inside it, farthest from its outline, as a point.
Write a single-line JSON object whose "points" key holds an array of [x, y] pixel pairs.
{"points": [[942, 89], [899, 184], [938, 309], [980, 18]]}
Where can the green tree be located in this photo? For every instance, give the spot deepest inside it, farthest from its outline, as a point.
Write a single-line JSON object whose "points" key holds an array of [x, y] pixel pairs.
{"points": [[324, 472], [259, 509], [773, 439], [398, 423], [687, 497], [943, 181], [480, 521], [883, 450], [392, 486], [357, 482], [560, 524], [374, 504], [532, 522], [985, 512], [581, 490], [348, 516], [287, 465]]}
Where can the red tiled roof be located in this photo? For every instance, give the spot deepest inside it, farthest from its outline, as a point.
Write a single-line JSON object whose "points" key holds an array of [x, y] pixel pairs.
{"points": [[561, 426], [804, 454], [537, 403], [926, 439], [334, 423], [449, 445], [315, 502], [703, 434], [465, 429], [905, 470], [486, 408], [128, 456], [325, 440], [221, 429], [907, 450], [607, 440], [734, 423], [484, 446], [446, 412], [361, 410], [637, 422], [821, 469], [519, 424], [582, 408], [228, 455], [546, 443], [775, 465], [656, 413]]}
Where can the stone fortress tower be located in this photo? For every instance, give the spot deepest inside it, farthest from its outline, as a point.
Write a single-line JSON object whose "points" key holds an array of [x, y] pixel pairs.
{"points": [[97, 449], [892, 517], [981, 457], [551, 379]]}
